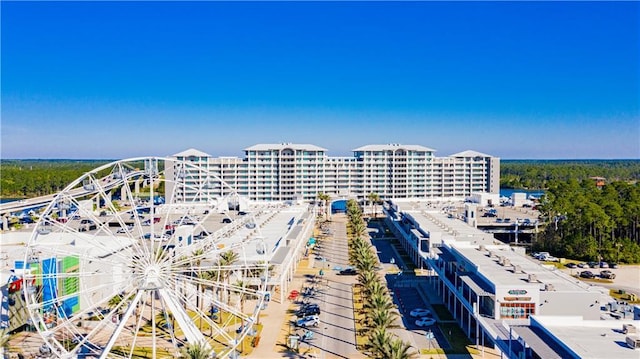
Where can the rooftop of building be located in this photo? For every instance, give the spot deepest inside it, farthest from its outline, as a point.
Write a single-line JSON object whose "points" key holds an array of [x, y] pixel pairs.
{"points": [[587, 339], [470, 153], [191, 152], [282, 146], [394, 147], [275, 224], [483, 251]]}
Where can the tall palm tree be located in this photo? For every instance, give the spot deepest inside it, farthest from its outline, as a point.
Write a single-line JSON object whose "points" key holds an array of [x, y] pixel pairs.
{"points": [[227, 258], [325, 198], [373, 199]]}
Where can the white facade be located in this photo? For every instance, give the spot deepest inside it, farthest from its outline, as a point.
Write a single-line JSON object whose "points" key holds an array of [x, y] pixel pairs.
{"points": [[286, 172]]}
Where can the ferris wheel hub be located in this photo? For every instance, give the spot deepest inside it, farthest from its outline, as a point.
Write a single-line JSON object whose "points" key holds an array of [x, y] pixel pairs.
{"points": [[152, 278]]}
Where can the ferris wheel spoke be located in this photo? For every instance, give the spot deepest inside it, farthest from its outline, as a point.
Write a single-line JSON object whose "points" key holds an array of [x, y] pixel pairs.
{"points": [[171, 332], [189, 329], [202, 316], [121, 325]]}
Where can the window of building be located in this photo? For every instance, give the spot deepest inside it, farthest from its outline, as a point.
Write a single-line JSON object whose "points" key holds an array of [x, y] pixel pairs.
{"points": [[517, 310]]}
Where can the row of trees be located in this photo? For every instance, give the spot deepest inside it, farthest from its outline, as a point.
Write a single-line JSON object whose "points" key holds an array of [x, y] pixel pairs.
{"points": [[588, 222], [379, 311], [538, 174]]}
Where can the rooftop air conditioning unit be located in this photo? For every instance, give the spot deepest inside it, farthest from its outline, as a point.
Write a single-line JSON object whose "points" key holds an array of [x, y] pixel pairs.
{"points": [[482, 248], [517, 269], [633, 341], [532, 278], [628, 328], [549, 287], [501, 260], [506, 262]]}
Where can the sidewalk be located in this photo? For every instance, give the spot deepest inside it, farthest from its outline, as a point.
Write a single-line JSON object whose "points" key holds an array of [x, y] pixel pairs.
{"points": [[276, 318]]}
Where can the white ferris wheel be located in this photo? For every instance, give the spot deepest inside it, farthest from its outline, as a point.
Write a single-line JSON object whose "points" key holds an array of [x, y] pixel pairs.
{"points": [[137, 260]]}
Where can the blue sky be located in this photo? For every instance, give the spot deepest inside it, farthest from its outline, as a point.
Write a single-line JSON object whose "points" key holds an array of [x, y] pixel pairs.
{"points": [[518, 80]]}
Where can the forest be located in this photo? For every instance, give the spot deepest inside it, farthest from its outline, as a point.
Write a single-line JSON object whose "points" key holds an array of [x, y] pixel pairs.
{"points": [[590, 222], [33, 178], [536, 174]]}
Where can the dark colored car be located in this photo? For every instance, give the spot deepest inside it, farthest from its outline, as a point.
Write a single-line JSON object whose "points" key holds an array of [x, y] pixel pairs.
{"points": [[587, 274], [571, 265], [348, 271], [309, 310]]}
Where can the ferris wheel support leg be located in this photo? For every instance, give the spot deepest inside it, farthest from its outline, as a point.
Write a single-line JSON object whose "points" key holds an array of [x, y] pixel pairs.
{"points": [[189, 329], [121, 325]]}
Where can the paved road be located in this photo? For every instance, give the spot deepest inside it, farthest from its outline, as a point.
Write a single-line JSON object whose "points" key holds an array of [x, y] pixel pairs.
{"points": [[336, 334]]}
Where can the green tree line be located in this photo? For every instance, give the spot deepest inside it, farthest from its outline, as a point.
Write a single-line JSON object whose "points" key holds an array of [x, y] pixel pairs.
{"points": [[587, 222], [32, 178], [537, 174]]}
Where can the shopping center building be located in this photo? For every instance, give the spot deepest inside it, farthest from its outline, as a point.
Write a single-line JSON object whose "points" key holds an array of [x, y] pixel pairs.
{"points": [[495, 291]]}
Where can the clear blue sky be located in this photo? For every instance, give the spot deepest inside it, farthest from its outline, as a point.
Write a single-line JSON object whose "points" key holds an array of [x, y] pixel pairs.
{"points": [[518, 80]]}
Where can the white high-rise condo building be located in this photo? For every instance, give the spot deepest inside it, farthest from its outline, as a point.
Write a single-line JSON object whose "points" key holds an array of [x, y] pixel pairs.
{"points": [[285, 171]]}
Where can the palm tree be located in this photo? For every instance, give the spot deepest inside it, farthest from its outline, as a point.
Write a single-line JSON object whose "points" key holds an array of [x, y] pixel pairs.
{"points": [[379, 342], [325, 198], [399, 349], [358, 229], [381, 319], [373, 198], [227, 259], [198, 350]]}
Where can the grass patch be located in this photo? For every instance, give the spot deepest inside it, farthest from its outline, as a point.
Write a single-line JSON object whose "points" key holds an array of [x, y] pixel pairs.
{"points": [[361, 340], [227, 320], [141, 352], [456, 337], [442, 312], [624, 297]]}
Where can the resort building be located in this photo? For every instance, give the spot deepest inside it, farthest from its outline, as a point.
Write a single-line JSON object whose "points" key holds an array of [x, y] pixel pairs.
{"points": [[288, 172]]}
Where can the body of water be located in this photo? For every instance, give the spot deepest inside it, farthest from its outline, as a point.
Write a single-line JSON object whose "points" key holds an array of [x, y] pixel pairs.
{"points": [[506, 192], [6, 200]]}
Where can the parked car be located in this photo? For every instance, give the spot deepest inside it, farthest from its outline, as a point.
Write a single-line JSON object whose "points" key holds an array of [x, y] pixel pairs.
{"points": [[604, 265], [587, 274], [420, 312], [613, 265], [583, 265], [308, 311], [542, 255], [607, 274], [308, 321], [425, 322], [348, 271], [87, 226], [571, 265]]}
